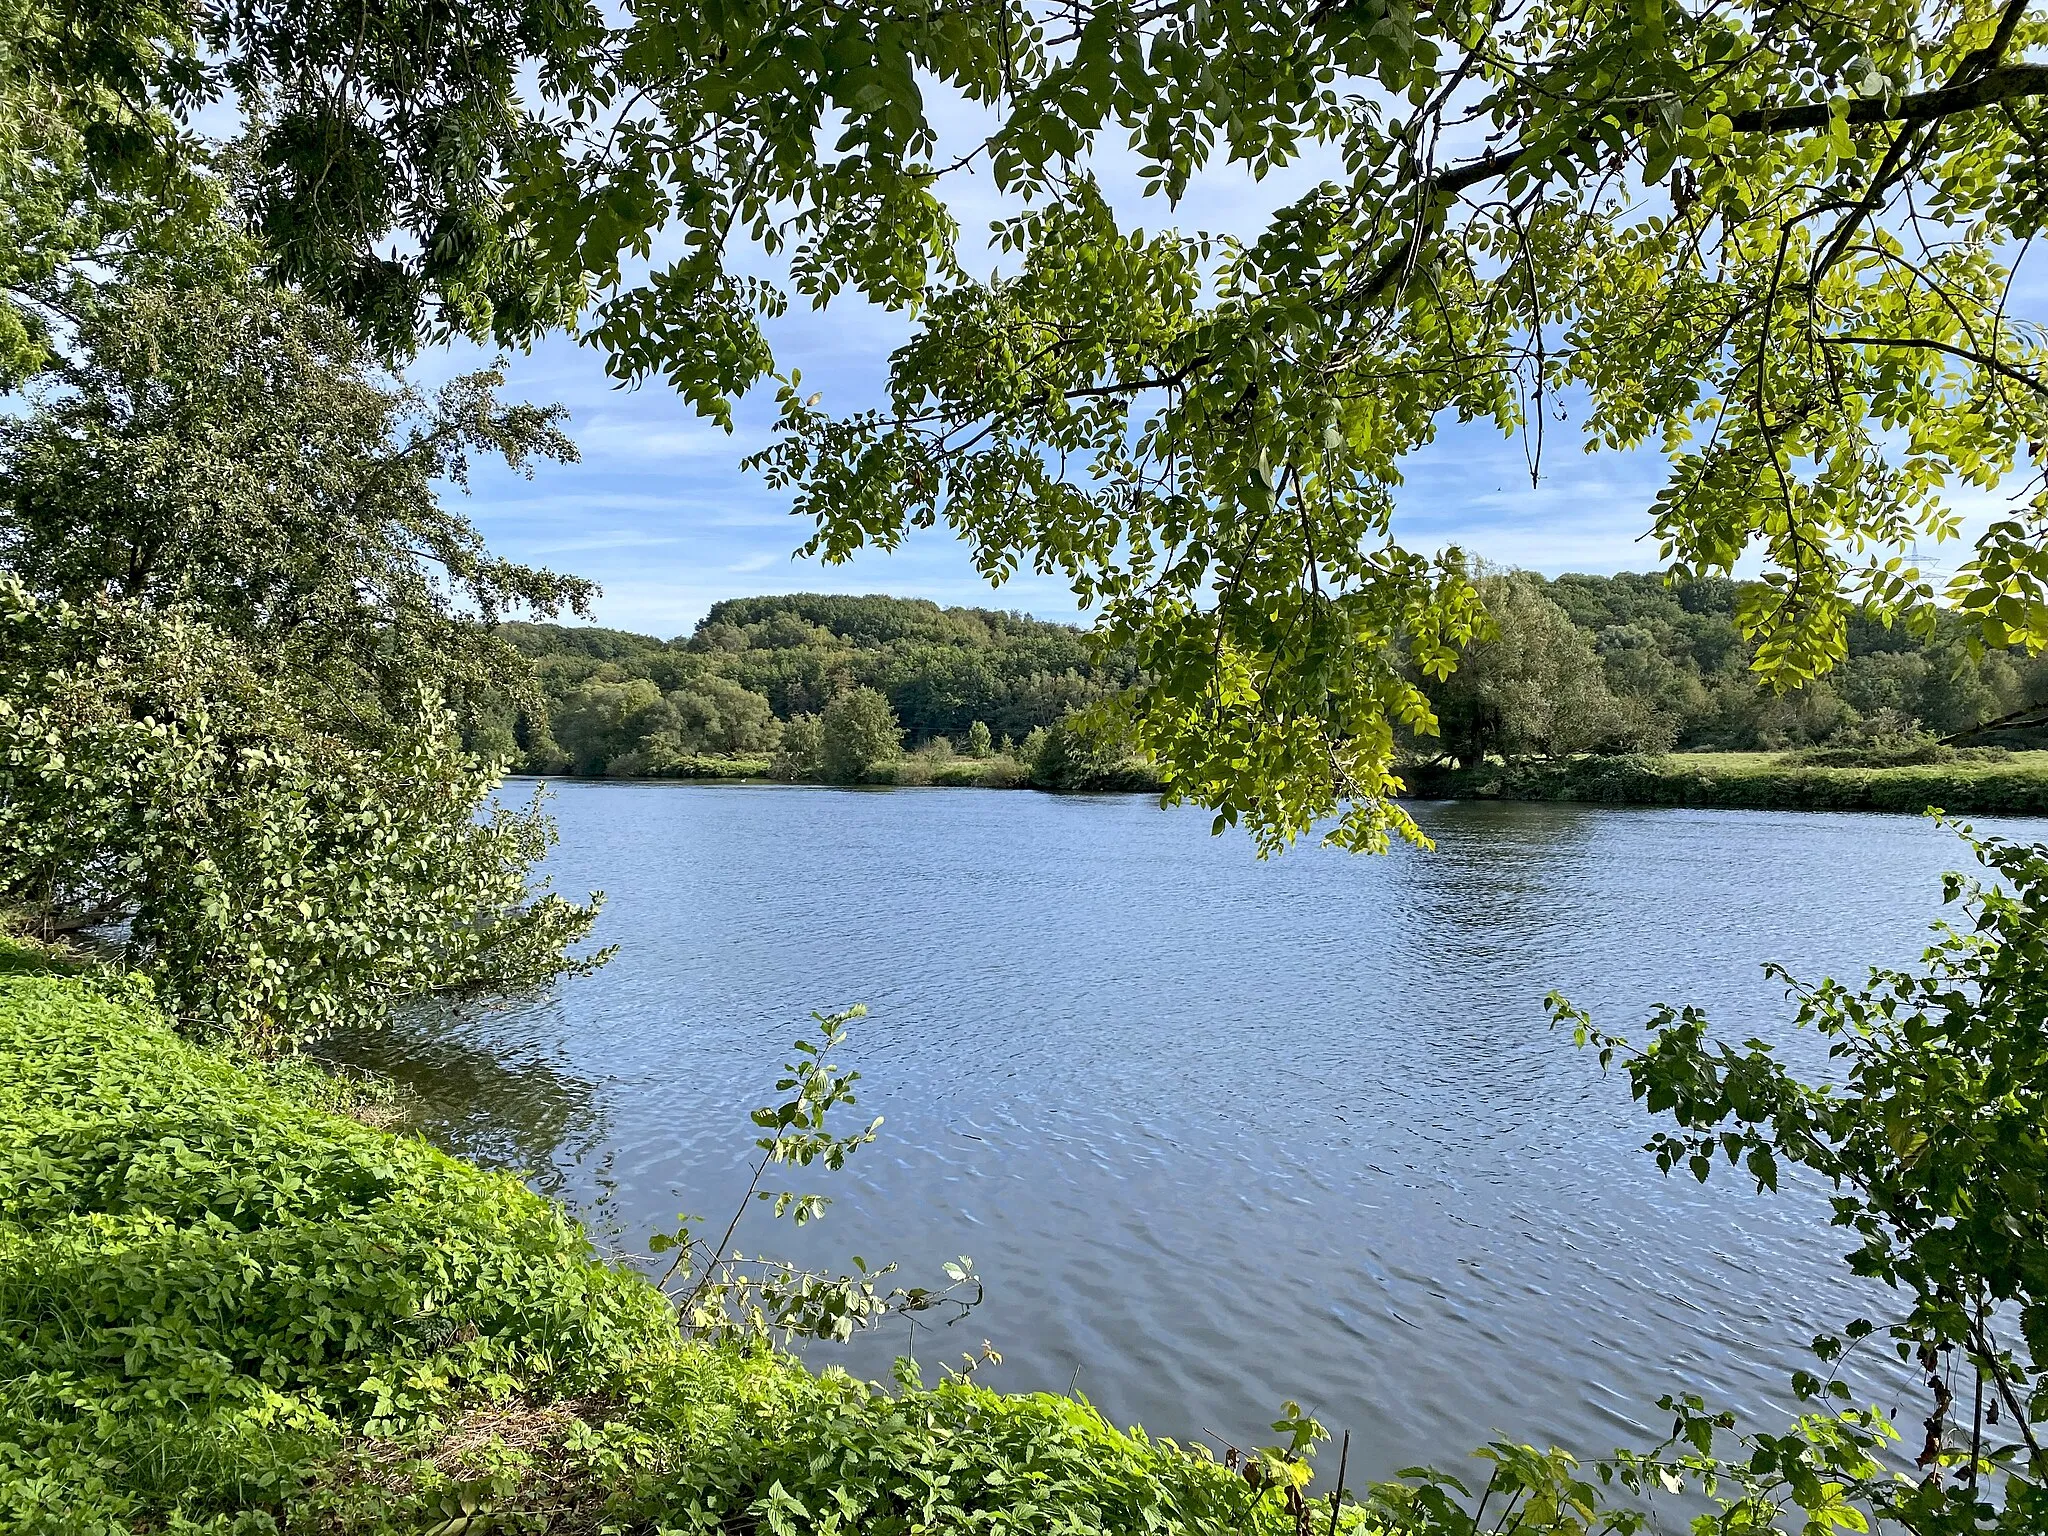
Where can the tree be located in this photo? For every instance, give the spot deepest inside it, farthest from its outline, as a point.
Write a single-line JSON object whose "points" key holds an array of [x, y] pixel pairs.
{"points": [[602, 721], [717, 715], [240, 637], [1759, 236], [859, 731], [978, 741], [1533, 686], [801, 753], [235, 451]]}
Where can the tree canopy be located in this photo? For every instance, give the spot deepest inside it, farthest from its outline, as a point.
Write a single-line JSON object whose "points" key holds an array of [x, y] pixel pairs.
{"points": [[1626, 663], [1775, 242], [239, 630]]}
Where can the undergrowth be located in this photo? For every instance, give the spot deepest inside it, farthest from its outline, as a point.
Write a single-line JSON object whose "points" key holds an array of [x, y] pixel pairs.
{"points": [[224, 1307]]}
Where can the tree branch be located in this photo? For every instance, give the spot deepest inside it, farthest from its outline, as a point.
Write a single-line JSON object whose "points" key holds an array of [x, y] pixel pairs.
{"points": [[1982, 360], [2007, 82]]}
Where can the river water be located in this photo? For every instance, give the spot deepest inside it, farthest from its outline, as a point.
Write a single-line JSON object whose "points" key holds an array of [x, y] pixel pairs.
{"points": [[1216, 1132]]}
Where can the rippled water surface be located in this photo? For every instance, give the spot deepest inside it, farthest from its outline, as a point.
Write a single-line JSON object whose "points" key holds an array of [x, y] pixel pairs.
{"points": [[1216, 1132]]}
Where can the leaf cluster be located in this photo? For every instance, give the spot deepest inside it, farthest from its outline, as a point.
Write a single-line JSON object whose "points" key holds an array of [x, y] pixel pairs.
{"points": [[1930, 1139]]}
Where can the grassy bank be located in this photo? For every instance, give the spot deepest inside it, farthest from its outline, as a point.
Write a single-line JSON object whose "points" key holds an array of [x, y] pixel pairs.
{"points": [[224, 1307], [1756, 780]]}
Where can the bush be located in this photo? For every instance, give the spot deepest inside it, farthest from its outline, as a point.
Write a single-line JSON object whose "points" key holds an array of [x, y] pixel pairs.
{"points": [[1062, 757], [250, 665], [801, 753], [859, 732], [1889, 739], [978, 740], [910, 772], [277, 880], [207, 1285], [1004, 772]]}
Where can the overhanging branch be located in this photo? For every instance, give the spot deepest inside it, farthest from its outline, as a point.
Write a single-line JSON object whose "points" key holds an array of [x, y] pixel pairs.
{"points": [[2008, 82]]}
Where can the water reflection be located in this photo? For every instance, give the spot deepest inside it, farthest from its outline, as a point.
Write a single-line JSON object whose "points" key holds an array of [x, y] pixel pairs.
{"points": [[493, 1086]]}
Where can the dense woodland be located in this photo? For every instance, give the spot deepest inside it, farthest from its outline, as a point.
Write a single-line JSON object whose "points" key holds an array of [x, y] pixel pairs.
{"points": [[1598, 664], [627, 704]]}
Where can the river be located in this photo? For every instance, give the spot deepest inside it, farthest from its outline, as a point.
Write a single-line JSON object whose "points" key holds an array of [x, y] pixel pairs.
{"points": [[1216, 1132]]}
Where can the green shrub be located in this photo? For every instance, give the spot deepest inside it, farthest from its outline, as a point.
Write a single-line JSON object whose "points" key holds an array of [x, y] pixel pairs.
{"points": [[207, 1284], [798, 1452], [908, 772], [277, 880], [1003, 771], [859, 733], [801, 752], [1063, 757]]}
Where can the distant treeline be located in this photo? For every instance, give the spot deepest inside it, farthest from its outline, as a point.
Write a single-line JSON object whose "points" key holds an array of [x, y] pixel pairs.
{"points": [[1635, 664], [630, 705], [1579, 664]]}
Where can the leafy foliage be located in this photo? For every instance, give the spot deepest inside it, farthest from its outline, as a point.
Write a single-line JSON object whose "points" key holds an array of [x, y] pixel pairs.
{"points": [[941, 670], [207, 1286], [222, 1307], [1931, 1140], [1774, 241], [95, 174], [1643, 663], [857, 733], [1534, 686], [233, 452], [237, 626], [723, 1295], [278, 880]]}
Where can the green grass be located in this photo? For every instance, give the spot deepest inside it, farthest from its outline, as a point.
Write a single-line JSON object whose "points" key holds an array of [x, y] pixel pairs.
{"points": [[1757, 780], [224, 1307]]}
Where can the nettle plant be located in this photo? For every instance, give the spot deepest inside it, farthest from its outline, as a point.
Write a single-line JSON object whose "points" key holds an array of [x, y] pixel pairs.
{"points": [[1933, 1142], [723, 1293]]}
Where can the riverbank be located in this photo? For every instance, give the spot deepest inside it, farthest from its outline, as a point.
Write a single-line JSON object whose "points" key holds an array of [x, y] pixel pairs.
{"points": [[912, 770], [226, 1307], [2017, 785]]}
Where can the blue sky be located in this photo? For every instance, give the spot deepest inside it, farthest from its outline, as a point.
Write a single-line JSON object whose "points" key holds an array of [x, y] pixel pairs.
{"points": [[661, 514]]}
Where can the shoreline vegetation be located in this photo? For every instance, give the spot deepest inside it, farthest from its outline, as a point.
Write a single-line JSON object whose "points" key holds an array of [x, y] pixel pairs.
{"points": [[2016, 785], [228, 1305], [2012, 784], [256, 692], [1621, 690]]}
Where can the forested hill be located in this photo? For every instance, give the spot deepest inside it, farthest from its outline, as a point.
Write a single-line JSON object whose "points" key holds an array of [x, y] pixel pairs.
{"points": [[623, 703], [1581, 664], [1635, 663]]}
